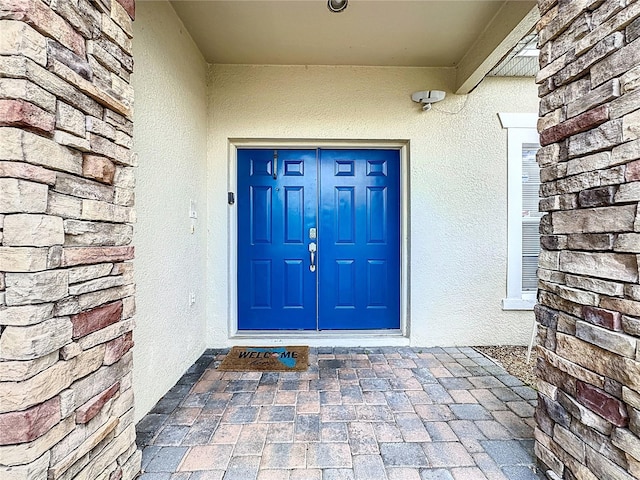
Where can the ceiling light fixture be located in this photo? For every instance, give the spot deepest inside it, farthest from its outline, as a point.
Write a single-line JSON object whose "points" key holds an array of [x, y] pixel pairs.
{"points": [[337, 6]]}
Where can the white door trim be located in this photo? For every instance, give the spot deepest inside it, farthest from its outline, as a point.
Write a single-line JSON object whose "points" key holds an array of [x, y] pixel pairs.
{"points": [[323, 338]]}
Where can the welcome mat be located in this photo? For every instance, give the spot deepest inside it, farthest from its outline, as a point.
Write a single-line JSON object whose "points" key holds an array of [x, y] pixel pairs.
{"points": [[266, 359]]}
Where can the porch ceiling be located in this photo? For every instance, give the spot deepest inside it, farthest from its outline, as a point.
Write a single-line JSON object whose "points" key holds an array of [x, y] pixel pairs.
{"points": [[465, 34]]}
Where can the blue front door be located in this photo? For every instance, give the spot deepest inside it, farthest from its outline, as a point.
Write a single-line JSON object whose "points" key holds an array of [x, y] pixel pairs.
{"points": [[318, 239], [277, 205]]}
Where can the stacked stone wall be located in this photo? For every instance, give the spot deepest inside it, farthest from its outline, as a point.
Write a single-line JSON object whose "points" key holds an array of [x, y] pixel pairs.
{"points": [[66, 209], [588, 313]]}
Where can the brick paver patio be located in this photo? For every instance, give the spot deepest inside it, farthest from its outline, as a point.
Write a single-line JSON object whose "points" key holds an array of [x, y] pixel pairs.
{"points": [[355, 414]]}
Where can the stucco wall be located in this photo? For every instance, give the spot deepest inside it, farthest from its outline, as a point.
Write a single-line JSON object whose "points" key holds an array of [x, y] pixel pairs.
{"points": [[458, 180], [170, 138]]}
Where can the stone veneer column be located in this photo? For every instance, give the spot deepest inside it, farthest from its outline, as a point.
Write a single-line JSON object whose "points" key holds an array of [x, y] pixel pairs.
{"points": [[66, 208], [589, 297]]}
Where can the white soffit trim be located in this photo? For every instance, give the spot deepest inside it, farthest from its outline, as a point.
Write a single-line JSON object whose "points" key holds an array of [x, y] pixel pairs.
{"points": [[514, 21], [518, 120]]}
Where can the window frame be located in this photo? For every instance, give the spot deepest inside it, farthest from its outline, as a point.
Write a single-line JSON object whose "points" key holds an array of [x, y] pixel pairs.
{"points": [[521, 130]]}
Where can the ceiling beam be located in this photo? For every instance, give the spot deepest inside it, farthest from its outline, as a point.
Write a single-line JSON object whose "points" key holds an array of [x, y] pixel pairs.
{"points": [[512, 22]]}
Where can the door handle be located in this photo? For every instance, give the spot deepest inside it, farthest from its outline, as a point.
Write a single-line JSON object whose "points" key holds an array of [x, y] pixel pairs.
{"points": [[312, 253], [275, 164]]}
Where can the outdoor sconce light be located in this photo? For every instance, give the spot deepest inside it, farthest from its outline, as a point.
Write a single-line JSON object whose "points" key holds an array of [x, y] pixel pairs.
{"points": [[427, 97], [337, 6]]}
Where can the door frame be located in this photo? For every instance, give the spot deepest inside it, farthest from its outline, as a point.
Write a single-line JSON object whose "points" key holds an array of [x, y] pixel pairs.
{"points": [[387, 337]]}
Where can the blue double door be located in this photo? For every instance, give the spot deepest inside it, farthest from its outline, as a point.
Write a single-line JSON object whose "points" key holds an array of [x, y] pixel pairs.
{"points": [[318, 239]]}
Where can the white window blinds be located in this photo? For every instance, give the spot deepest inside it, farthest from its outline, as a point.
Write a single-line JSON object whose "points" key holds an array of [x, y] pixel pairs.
{"points": [[530, 217]]}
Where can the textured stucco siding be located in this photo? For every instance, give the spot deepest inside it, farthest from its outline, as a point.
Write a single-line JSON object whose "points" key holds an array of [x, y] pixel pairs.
{"points": [[457, 180], [170, 139]]}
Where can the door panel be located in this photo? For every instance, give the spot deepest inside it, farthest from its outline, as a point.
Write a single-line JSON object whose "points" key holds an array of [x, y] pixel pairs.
{"points": [[352, 198], [359, 239], [276, 290]]}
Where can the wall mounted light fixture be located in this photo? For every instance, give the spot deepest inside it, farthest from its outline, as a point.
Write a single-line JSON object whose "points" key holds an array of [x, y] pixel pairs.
{"points": [[427, 97], [337, 6]]}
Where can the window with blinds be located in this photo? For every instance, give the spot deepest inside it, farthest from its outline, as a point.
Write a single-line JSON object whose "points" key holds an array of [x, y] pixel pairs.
{"points": [[530, 217], [523, 217]]}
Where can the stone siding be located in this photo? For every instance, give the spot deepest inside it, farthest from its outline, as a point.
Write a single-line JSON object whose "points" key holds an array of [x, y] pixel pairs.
{"points": [[66, 209], [588, 314]]}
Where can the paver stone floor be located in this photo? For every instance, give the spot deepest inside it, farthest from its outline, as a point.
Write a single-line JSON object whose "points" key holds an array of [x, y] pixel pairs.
{"points": [[355, 414]]}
